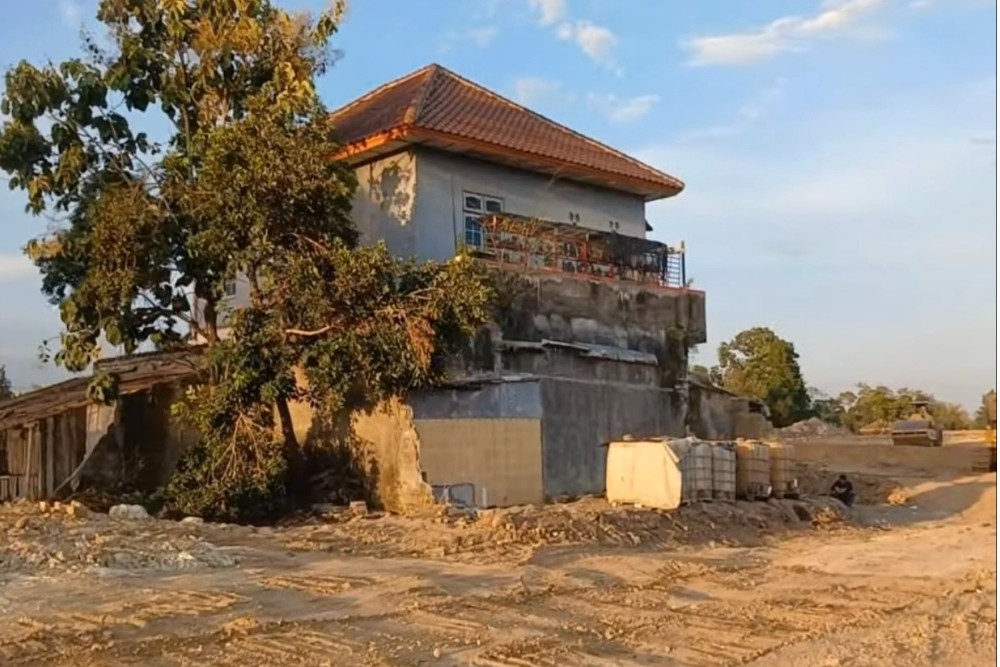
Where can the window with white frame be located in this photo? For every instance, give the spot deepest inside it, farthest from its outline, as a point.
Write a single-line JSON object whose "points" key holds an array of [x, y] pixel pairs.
{"points": [[474, 206], [230, 288]]}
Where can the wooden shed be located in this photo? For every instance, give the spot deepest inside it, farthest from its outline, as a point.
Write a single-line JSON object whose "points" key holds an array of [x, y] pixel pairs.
{"points": [[45, 435]]}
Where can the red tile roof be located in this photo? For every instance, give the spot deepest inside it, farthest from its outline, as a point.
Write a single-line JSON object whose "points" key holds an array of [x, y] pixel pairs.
{"points": [[436, 102]]}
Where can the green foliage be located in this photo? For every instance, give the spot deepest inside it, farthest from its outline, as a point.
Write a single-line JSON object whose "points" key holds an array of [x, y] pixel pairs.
{"points": [[136, 239], [879, 406], [986, 413], [245, 185], [759, 364], [826, 408], [362, 325], [6, 388]]}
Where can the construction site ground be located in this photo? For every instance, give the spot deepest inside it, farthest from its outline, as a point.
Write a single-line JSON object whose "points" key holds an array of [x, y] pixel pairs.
{"points": [[908, 577]]}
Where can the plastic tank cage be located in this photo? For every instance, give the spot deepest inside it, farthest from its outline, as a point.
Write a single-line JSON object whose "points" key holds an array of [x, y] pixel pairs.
{"points": [[540, 244]]}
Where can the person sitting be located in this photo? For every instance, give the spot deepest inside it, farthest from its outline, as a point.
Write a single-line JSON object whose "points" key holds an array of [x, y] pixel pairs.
{"points": [[843, 490]]}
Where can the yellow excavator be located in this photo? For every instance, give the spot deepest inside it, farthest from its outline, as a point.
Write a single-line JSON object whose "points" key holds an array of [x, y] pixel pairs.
{"points": [[917, 430]]}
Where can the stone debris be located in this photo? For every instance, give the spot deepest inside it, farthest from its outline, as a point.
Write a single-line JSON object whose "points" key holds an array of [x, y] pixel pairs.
{"points": [[41, 537], [128, 512], [503, 534], [812, 428]]}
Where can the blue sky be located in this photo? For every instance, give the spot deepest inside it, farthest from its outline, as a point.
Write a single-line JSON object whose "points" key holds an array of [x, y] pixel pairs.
{"points": [[839, 155]]}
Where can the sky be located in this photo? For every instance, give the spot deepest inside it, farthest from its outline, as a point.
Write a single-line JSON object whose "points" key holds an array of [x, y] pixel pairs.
{"points": [[839, 157]]}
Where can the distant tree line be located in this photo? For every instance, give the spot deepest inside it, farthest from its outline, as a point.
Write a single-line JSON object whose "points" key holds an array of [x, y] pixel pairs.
{"points": [[758, 363]]}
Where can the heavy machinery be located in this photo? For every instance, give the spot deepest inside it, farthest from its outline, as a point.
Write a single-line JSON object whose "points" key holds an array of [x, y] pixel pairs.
{"points": [[918, 429]]}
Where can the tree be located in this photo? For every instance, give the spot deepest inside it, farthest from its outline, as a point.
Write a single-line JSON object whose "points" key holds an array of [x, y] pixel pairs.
{"points": [[828, 409], [6, 388], [987, 410], [759, 364], [132, 248], [246, 185], [880, 406]]}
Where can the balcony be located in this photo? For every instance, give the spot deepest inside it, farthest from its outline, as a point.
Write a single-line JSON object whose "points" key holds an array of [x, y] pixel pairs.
{"points": [[512, 241]]}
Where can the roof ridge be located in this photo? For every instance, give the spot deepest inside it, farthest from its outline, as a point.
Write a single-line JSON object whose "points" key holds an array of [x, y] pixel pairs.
{"points": [[417, 104], [500, 98], [378, 91]]}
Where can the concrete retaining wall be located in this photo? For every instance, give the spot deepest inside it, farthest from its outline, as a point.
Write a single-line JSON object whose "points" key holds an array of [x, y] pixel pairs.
{"points": [[580, 416]]}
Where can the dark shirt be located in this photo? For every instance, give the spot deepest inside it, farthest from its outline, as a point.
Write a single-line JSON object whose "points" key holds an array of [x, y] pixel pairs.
{"points": [[841, 487]]}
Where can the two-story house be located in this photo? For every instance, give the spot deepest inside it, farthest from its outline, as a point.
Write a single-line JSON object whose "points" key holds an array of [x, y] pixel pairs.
{"points": [[593, 347], [443, 162]]}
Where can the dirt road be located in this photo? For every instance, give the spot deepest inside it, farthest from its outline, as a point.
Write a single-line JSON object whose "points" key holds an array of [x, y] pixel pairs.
{"points": [[916, 586]]}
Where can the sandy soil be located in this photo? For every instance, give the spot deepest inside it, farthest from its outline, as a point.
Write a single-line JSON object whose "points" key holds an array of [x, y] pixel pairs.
{"points": [[580, 584]]}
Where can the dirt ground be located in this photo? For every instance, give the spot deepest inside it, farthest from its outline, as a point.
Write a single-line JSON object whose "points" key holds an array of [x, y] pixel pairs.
{"points": [[907, 582]]}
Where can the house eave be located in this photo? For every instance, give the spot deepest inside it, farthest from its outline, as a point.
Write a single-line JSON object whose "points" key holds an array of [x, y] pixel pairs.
{"points": [[377, 146]]}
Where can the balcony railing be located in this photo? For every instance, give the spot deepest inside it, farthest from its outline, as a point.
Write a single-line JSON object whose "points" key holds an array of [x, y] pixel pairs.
{"points": [[516, 241]]}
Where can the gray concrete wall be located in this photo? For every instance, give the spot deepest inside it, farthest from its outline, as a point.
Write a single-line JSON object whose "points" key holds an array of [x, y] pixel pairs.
{"points": [[443, 177], [499, 400], [558, 362], [581, 415]]}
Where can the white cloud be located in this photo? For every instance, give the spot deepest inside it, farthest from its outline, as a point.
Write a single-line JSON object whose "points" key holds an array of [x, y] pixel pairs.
{"points": [[828, 236], [786, 34], [623, 110], [71, 12], [15, 268], [533, 91], [746, 115], [549, 12], [483, 37], [920, 5], [594, 40]]}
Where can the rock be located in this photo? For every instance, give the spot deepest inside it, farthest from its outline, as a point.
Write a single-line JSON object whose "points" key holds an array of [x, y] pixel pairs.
{"points": [[128, 512], [21, 523], [43, 506], [358, 507], [437, 652], [327, 508], [193, 520], [76, 510]]}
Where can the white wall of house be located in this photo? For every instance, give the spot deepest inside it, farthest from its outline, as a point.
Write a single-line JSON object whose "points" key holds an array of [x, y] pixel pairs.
{"points": [[385, 204], [444, 179]]}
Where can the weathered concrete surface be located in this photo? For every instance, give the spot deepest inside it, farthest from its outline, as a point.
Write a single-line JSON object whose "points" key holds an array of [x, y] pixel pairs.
{"points": [[581, 415], [491, 399], [500, 458], [620, 314], [377, 450], [719, 415], [386, 445]]}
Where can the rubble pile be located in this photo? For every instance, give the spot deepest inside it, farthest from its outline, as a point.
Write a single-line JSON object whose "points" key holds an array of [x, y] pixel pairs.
{"points": [[512, 533], [812, 428], [35, 537], [736, 523]]}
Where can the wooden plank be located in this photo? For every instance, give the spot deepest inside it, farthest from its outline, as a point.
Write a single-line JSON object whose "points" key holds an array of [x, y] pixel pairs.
{"points": [[29, 451], [48, 461]]}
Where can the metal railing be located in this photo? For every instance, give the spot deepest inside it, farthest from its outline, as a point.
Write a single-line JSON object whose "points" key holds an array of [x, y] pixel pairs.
{"points": [[516, 241]]}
